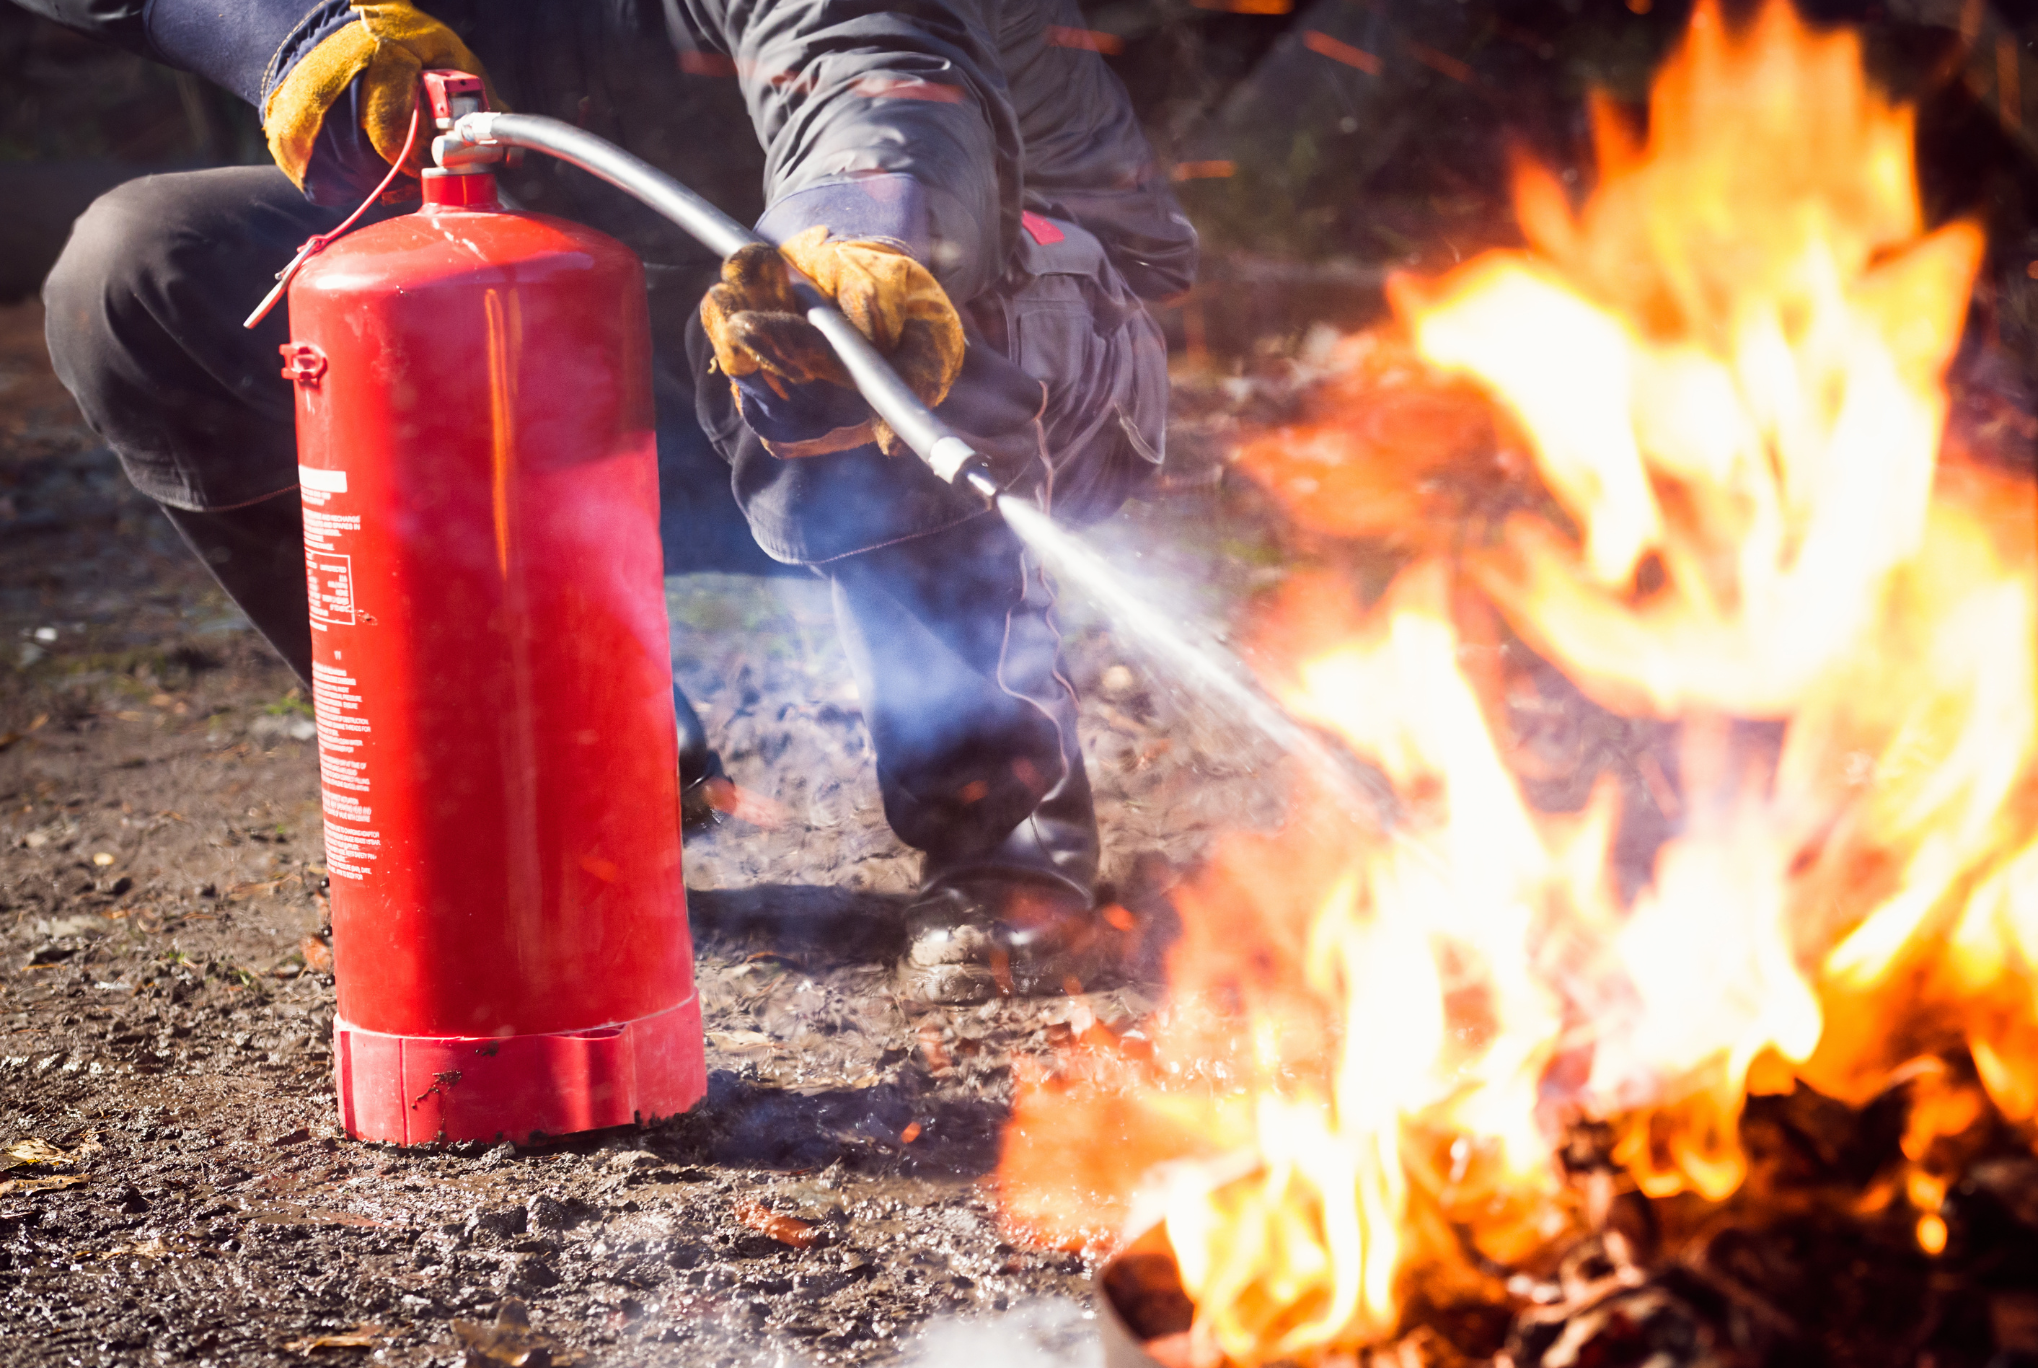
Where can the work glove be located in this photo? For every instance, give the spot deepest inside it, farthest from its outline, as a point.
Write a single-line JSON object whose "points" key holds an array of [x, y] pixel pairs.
{"points": [[386, 48], [789, 384]]}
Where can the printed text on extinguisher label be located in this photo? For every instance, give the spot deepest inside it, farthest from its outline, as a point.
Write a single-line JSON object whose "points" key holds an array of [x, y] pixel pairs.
{"points": [[351, 840], [328, 571]]}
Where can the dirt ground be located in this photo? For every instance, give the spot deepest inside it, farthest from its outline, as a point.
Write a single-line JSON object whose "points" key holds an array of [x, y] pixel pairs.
{"points": [[176, 1186]]}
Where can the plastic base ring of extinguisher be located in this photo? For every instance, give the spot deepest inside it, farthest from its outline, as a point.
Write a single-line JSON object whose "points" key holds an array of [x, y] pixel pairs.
{"points": [[492, 678], [418, 1090]]}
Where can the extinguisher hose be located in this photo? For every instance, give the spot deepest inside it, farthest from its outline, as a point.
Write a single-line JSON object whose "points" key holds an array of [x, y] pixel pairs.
{"points": [[475, 138]]}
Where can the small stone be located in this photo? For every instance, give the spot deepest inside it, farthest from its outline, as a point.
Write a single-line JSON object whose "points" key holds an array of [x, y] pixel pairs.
{"points": [[549, 1213], [634, 1159], [499, 1223]]}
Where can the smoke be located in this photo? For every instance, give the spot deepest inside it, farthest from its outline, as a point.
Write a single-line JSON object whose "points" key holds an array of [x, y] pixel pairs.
{"points": [[1201, 664], [1051, 1333]]}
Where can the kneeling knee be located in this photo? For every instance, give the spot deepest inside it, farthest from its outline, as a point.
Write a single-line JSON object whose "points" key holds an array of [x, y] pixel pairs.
{"points": [[108, 259]]}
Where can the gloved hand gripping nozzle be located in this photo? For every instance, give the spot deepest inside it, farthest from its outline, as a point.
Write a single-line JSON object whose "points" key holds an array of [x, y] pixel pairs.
{"points": [[475, 140]]}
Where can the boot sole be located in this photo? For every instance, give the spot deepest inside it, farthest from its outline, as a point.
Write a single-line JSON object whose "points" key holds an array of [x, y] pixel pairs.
{"points": [[970, 982]]}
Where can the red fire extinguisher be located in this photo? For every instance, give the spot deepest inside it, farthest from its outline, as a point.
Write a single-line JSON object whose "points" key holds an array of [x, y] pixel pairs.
{"points": [[493, 681]]}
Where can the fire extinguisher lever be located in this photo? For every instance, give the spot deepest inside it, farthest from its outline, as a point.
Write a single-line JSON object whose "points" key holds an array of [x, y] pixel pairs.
{"points": [[481, 137]]}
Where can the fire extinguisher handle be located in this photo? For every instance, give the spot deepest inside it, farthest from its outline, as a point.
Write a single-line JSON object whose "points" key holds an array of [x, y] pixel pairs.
{"points": [[934, 441]]}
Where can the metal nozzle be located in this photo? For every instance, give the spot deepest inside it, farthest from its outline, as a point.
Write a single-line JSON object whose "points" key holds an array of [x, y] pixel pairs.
{"points": [[978, 477]]}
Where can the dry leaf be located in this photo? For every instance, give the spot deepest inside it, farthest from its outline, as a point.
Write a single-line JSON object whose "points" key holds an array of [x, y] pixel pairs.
{"points": [[33, 1151], [155, 1247], [318, 956], [360, 1337], [14, 1185], [511, 1342], [787, 1230]]}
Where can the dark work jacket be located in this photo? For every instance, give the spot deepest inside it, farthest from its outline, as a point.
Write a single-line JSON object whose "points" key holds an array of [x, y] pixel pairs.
{"points": [[936, 122]]}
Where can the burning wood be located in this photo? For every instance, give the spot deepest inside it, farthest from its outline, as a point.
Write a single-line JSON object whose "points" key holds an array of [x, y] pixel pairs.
{"points": [[1737, 531]]}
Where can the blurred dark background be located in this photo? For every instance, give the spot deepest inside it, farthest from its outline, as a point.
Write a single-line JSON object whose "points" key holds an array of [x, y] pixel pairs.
{"points": [[1317, 143], [76, 118]]}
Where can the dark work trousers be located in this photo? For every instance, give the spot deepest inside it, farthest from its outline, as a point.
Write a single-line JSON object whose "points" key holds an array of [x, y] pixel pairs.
{"points": [[950, 632]]}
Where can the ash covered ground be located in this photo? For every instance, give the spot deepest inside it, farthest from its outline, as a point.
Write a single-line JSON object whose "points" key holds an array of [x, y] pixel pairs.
{"points": [[176, 1187]]}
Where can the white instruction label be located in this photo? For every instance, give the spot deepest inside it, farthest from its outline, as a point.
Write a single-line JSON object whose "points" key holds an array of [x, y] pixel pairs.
{"points": [[351, 841], [330, 577]]}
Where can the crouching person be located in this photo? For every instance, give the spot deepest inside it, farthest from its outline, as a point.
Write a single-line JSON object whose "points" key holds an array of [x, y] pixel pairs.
{"points": [[973, 193]]}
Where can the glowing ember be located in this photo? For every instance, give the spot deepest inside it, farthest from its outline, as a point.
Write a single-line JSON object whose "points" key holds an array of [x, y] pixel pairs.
{"points": [[1727, 368]]}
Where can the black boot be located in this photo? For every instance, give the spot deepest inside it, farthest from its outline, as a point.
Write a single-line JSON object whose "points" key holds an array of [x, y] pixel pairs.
{"points": [[1018, 919], [698, 764], [957, 659]]}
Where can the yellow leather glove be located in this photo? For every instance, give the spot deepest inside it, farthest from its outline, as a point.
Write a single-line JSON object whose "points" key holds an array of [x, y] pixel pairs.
{"points": [[388, 46], [787, 379]]}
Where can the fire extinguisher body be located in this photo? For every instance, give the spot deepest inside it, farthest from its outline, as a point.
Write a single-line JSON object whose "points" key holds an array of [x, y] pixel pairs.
{"points": [[492, 677]]}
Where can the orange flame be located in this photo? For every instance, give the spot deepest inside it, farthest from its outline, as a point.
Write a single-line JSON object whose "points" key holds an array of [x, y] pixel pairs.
{"points": [[1727, 372]]}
